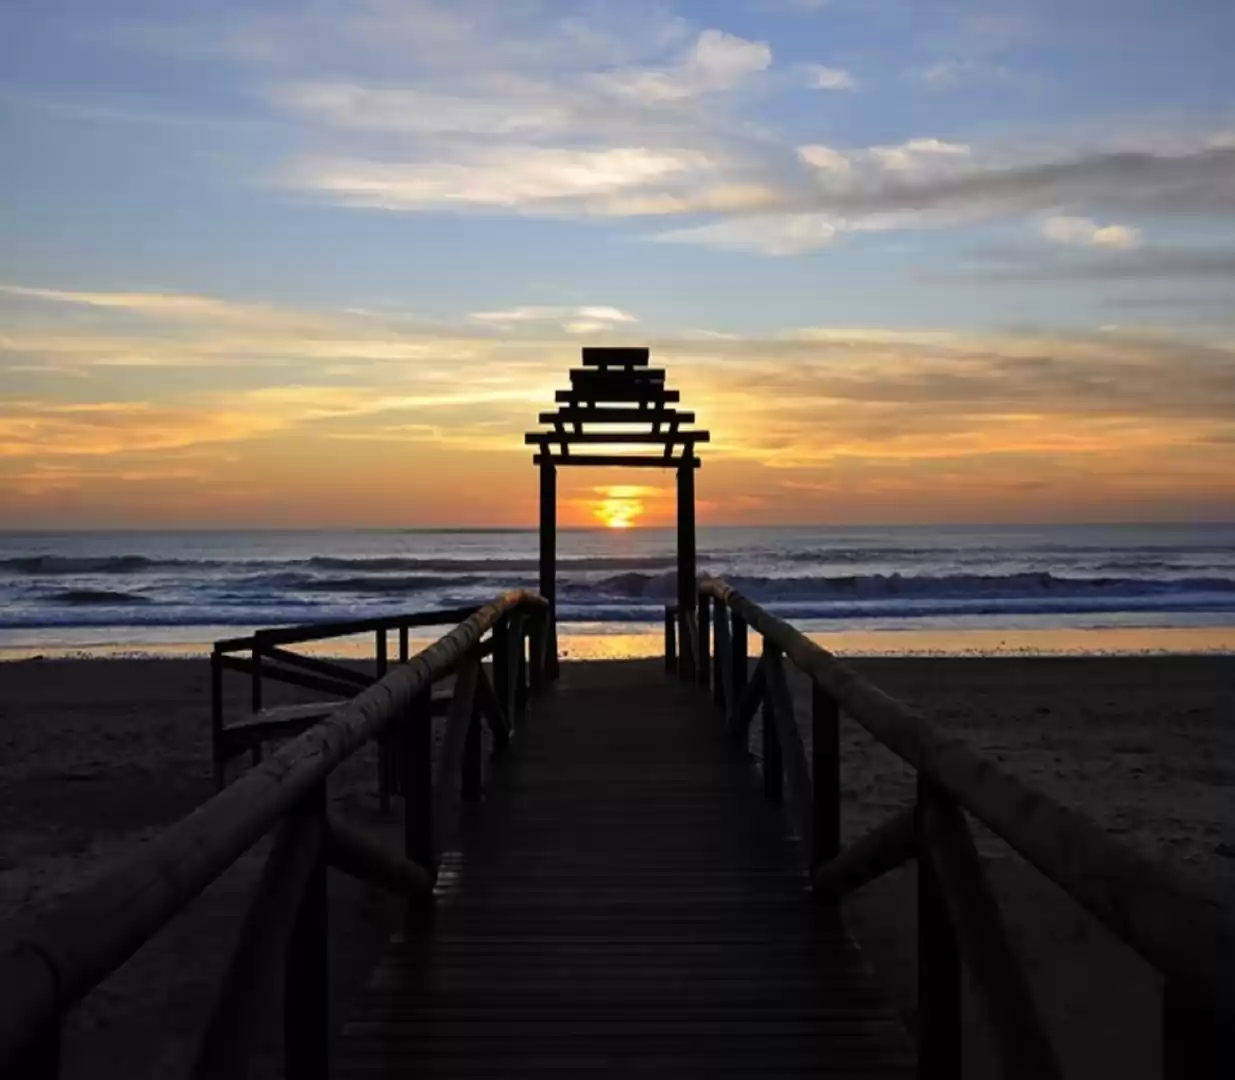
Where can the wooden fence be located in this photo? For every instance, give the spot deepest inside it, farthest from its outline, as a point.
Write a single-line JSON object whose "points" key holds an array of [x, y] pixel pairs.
{"points": [[1176, 926], [266, 656], [47, 966]]}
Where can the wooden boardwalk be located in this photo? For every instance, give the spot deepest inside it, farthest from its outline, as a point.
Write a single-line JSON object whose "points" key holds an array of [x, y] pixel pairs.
{"points": [[624, 903]]}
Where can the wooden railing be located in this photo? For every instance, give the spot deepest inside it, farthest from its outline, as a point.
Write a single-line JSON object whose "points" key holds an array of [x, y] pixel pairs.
{"points": [[48, 965], [266, 656], [1176, 926]]}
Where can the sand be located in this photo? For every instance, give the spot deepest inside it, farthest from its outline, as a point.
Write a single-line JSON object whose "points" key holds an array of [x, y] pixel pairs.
{"points": [[97, 755]]}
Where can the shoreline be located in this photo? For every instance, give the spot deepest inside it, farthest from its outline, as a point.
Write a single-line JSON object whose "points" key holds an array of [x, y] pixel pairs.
{"points": [[609, 641]]}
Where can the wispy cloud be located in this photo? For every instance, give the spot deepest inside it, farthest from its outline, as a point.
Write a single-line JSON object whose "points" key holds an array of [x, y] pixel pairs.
{"points": [[1084, 232], [819, 77]]}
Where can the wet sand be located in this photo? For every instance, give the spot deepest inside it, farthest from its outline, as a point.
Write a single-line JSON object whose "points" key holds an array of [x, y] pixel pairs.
{"points": [[97, 755]]}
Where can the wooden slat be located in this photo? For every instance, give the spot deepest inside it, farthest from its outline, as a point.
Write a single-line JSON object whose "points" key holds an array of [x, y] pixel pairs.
{"points": [[610, 356], [627, 906], [616, 461], [649, 394], [587, 376], [615, 438], [884, 848], [616, 415]]}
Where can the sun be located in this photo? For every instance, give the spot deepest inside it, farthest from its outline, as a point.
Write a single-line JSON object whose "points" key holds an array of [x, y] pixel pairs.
{"points": [[618, 513]]}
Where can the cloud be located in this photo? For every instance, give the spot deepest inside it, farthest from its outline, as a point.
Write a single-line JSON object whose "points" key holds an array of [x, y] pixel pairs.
{"points": [[771, 234], [583, 319], [716, 62], [947, 74], [508, 177], [1101, 263], [1083, 232], [829, 78]]}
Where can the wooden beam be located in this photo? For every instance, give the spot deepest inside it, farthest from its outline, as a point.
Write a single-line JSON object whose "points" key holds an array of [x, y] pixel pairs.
{"points": [[598, 356], [491, 707], [884, 848], [940, 1008], [312, 663], [585, 375], [355, 853], [618, 461], [613, 414], [450, 760], [319, 631], [289, 676], [792, 752], [825, 772], [601, 438], [1024, 1051], [652, 392], [686, 565], [257, 956], [748, 704]]}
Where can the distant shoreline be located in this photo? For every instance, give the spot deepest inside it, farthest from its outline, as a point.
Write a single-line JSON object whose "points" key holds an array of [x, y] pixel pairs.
{"points": [[600, 641]]}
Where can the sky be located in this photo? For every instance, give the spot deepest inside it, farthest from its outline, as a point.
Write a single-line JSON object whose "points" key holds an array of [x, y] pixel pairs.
{"points": [[321, 263]]}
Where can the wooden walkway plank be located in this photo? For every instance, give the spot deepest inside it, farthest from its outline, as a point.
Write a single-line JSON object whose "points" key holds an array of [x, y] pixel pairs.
{"points": [[625, 903]]}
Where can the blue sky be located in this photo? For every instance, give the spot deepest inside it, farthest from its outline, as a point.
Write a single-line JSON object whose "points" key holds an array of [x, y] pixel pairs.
{"points": [[909, 184]]}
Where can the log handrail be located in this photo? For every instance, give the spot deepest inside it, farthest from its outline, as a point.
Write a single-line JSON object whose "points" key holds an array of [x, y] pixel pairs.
{"points": [[1172, 921], [51, 961]]}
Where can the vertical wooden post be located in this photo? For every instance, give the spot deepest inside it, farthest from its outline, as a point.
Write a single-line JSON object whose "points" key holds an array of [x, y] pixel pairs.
{"points": [[740, 663], [218, 752], [548, 546], [501, 669], [255, 698], [306, 1044], [939, 967], [720, 654], [704, 667], [825, 768], [416, 769], [472, 778], [773, 767], [403, 645], [521, 641], [686, 563], [671, 650], [385, 756]]}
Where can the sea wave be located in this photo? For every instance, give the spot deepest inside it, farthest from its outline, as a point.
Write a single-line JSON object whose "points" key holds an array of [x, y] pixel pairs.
{"points": [[99, 596]]}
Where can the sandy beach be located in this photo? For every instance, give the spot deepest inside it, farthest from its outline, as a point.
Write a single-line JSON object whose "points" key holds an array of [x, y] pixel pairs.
{"points": [[99, 754]]}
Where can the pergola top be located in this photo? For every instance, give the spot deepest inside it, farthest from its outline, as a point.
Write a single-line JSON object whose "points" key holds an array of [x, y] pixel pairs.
{"points": [[616, 399]]}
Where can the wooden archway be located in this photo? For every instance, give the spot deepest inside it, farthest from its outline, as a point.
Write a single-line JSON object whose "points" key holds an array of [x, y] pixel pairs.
{"points": [[616, 400]]}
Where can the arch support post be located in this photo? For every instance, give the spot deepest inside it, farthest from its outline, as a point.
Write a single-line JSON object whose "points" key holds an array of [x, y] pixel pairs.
{"points": [[548, 558], [687, 599]]}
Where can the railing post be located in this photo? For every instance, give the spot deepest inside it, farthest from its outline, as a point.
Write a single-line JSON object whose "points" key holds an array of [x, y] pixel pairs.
{"points": [[773, 766], [720, 655], [416, 771], [218, 752], [825, 770], [385, 757], [521, 671], [739, 662], [501, 668], [255, 697], [703, 662], [939, 967], [305, 1022], [472, 779], [671, 652], [403, 652], [536, 654]]}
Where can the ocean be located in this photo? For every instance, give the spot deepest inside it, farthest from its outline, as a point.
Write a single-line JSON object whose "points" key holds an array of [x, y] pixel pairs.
{"points": [[80, 590]]}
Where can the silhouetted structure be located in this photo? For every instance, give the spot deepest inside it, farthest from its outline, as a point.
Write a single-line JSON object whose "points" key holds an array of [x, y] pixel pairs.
{"points": [[614, 400]]}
